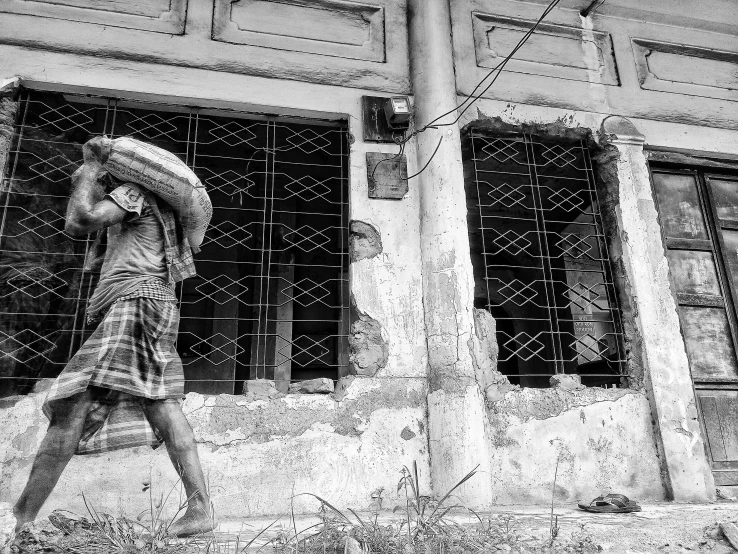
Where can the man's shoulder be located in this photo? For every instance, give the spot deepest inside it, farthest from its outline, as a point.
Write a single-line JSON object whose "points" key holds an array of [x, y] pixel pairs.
{"points": [[130, 197]]}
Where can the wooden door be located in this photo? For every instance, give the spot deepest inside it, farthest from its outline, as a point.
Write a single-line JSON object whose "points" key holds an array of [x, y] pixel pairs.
{"points": [[699, 221]]}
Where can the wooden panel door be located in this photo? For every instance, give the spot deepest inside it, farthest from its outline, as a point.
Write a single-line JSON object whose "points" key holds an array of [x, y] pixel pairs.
{"points": [[699, 220]]}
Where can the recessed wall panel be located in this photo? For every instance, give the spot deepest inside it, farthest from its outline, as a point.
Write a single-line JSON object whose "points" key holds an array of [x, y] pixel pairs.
{"points": [[686, 69], [164, 16], [553, 50], [329, 27]]}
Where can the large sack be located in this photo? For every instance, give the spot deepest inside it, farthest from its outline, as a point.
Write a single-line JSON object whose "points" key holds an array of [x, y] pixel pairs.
{"points": [[162, 173]]}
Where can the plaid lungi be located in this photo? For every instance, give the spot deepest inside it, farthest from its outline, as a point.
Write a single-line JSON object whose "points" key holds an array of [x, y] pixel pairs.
{"points": [[130, 357]]}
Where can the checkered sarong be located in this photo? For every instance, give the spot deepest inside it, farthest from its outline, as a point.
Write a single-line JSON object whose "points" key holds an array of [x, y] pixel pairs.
{"points": [[130, 357]]}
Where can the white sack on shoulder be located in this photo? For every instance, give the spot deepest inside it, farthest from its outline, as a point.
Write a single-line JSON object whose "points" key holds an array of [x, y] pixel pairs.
{"points": [[165, 175]]}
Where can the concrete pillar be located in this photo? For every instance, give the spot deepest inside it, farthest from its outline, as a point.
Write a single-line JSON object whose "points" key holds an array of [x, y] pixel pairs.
{"points": [[457, 417], [668, 382]]}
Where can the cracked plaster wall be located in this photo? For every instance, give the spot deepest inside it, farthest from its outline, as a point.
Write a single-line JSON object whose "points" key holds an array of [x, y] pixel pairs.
{"points": [[254, 451], [605, 439]]}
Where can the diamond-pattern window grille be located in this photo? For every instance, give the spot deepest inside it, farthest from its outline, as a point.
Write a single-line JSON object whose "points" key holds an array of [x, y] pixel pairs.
{"points": [[575, 246], [589, 347], [309, 141], [66, 117], [307, 292], [558, 155], [307, 188], [306, 238], [526, 346], [306, 350], [227, 347], [503, 151], [584, 296], [516, 291], [25, 346], [223, 289], [56, 169], [45, 224], [153, 126], [233, 133], [33, 282], [540, 257], [228, 182], [512, 242], [227, 234], [505, 194], [271, 297], [564, 199]]}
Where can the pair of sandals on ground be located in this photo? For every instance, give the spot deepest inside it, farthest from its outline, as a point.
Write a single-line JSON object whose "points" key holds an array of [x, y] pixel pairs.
{"points": [[611, 504]]}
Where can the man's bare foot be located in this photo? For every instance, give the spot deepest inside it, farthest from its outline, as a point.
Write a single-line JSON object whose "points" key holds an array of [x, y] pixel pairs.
{"points": [[20, 519], [195, 521]]}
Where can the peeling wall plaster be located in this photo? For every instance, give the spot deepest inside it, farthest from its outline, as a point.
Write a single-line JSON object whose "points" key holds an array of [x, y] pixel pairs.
{"points": [[254, 450]]}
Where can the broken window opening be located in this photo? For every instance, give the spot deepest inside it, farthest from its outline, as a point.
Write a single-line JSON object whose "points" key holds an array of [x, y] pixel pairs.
{"points": [[540, 258], [271, 299]]}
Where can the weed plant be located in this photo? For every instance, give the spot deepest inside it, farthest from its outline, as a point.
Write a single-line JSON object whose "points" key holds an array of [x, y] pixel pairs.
{"points": [[420, 524]]}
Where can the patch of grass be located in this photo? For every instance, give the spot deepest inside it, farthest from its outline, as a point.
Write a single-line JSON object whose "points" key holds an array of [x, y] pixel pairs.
{"points": [[421, 524], [424, 526]]}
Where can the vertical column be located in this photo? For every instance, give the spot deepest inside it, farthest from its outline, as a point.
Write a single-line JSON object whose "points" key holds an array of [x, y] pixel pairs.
{"points": [[457, 417], [668, 380]]}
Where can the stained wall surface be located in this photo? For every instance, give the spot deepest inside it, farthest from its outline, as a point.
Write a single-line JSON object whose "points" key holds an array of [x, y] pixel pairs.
{"points": [[664, 69]]}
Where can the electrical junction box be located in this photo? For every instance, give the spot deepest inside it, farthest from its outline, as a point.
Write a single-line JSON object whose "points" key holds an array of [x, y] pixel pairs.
{"points": [[387, 175], [397, 112], [377, 111]]}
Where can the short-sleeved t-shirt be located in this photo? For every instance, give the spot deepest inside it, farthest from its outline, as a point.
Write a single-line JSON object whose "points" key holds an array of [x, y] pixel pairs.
{"points": [[135, 250]]}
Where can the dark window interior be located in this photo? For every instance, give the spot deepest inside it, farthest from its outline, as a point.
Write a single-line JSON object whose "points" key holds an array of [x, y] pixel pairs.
{"points": [[540, 260]]}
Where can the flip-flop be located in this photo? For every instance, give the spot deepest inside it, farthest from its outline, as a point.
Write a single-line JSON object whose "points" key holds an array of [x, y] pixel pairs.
{"points": [[611, 504]]}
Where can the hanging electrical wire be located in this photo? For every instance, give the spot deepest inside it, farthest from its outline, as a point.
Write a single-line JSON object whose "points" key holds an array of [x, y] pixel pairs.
{"points": [[496, 71], [473, 97]]}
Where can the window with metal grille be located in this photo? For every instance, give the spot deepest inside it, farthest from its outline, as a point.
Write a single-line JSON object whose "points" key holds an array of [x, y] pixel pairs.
{"points": [[540, 258], [271, 296]]}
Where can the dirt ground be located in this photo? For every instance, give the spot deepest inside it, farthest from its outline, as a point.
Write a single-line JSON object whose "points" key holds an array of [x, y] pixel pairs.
{"points": [[659, 528]]}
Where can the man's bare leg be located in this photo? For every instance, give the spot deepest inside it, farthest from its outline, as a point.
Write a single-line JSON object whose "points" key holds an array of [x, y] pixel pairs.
{"points": [[57, 448], [167, 418]]}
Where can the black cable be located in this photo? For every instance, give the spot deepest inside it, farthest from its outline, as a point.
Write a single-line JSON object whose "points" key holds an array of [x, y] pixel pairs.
{"points": [[472, 97], [428, 162], [498, 68], [401, 144]]}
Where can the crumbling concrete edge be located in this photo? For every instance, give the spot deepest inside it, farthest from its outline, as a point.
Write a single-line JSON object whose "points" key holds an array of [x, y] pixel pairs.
{"points": [[368, 350], [605, 160], [8, 113]]}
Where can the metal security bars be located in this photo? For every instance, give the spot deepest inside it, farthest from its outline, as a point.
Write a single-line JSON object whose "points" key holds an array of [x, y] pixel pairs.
{"points": [[271, 296], [540, 258]]}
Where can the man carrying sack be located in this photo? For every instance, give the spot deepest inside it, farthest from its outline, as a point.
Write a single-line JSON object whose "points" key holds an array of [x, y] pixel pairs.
{"points": [[124, 385]]}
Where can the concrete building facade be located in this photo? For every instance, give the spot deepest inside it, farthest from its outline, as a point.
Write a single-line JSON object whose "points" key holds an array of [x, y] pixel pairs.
{"points": [[538, 280]]}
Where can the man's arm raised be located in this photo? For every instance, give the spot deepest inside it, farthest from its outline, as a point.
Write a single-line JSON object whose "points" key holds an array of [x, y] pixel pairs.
{"points": [[88, 209]]}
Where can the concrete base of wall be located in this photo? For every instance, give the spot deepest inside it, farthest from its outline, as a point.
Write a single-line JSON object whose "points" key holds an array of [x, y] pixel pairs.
{"points": [[602, 439], [255, 452]]}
